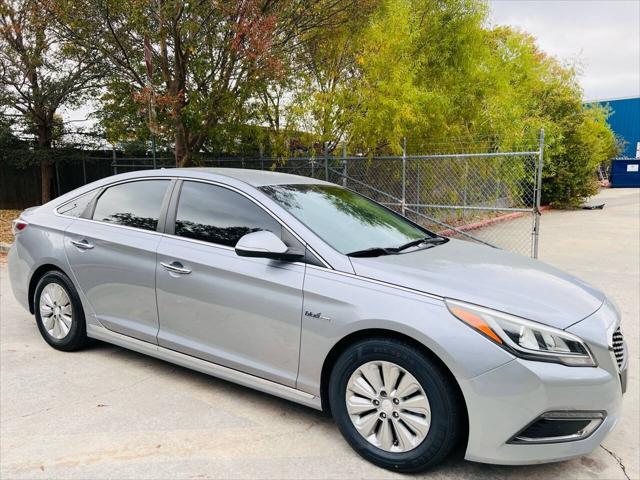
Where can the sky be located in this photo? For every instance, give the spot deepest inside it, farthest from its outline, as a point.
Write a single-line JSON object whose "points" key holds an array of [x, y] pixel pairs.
{"points": [[601, 36]]}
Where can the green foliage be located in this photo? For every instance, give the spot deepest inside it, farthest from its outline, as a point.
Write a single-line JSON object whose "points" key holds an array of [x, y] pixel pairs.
{"points": [[581, 142], [280, 78], [431, 70], [211, 60], [8, 139]]}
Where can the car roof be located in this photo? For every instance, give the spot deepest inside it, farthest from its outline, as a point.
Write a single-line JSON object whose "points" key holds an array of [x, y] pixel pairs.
{"points": [[256, 178]]}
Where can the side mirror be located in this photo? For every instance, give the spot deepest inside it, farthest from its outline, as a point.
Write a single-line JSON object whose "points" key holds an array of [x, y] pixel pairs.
{"points": [[264, 244]]}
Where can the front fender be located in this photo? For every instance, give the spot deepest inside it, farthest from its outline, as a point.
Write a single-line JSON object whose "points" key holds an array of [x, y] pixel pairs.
{"points": [[349, 304]]}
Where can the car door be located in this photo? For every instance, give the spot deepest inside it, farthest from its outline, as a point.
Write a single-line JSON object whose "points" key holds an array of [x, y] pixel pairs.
{"points": [[243, 313], [112, 255]]}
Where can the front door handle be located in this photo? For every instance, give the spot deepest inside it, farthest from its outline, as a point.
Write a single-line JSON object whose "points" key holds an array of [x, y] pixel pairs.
{"points": [[82, 244], [175, 267]]}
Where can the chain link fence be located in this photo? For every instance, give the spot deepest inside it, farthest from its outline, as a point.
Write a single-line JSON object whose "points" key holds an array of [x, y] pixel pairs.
{"points": [[491, 198], [487, 197]]}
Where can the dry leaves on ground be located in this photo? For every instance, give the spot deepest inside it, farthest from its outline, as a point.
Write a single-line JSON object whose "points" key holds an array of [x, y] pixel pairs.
{"points": [[6, 217]]}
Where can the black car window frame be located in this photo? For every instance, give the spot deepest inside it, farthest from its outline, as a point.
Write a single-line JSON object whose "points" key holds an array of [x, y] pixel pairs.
{"points": [[160, 225]]}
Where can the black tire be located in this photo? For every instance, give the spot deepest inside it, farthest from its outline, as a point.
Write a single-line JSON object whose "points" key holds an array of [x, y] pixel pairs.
{"points": [[77, 336], [446, 410]]}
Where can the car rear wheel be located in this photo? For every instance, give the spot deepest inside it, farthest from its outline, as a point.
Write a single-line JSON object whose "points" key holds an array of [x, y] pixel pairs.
{"points": [[59, 313], [394, 405]]}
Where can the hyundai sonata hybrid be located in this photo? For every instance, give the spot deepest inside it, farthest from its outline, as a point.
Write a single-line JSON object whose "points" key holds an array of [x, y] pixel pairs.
{"points": [[413, 342]]}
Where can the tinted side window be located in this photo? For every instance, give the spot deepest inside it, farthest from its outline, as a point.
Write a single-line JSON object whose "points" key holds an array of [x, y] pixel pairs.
{"points": [[75, 207], [219, 215], [134, 204]]}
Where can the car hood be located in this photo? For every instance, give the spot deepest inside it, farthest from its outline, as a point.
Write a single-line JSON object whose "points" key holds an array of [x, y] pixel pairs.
{"points": [[489, 277]]}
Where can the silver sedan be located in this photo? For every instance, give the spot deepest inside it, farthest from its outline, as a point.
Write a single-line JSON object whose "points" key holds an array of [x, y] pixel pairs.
{"points": [[415, 343]]}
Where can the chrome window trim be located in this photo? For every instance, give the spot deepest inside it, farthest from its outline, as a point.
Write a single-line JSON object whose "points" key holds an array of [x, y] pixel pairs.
{"points": [[142, 230], [223, 247], [118, 182]]}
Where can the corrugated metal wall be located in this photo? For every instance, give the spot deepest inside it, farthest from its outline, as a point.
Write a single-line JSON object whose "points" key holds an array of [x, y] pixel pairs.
{"points": [[625, 122]]}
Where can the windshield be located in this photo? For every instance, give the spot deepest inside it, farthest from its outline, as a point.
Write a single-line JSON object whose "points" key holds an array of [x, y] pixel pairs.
{"points": [[344, 219]]}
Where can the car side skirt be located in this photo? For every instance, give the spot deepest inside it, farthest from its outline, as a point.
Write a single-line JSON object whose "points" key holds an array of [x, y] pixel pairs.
{"points": [[209, 368]]}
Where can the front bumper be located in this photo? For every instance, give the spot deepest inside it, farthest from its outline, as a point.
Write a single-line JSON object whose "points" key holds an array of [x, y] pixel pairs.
{"points": [[503, 401]]}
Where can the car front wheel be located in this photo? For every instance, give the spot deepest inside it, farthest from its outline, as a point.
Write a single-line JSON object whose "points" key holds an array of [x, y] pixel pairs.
{"points": [[394, 405]]}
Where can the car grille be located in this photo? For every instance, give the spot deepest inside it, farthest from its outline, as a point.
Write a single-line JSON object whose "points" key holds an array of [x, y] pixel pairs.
{"points": [[618, 347]]}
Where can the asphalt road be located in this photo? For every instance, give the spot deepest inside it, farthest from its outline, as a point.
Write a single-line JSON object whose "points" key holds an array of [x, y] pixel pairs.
{"points": [[110, 413]]}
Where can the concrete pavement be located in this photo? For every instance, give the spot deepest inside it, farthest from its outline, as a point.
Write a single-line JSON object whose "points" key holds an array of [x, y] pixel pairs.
{"points": [[110, 413]]}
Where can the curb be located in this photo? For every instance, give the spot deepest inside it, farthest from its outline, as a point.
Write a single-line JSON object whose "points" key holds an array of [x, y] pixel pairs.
{"points": [[4, 247], [489, 221]]}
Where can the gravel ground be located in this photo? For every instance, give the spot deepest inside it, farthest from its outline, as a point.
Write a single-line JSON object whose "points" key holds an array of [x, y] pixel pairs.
{"points": [[110, 413]]}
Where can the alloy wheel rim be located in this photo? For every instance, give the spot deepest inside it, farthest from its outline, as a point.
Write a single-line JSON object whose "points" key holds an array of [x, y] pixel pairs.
{"points": [[56, 311], [388, 406]]}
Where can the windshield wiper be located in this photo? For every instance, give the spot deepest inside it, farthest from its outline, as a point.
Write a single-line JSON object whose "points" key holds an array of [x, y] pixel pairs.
{"points": [[378, 251], [372, 252], [420, 241]]}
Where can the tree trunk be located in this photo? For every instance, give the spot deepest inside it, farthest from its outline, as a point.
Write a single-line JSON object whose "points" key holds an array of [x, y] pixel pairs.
{"points": [[46, 174], [183, 159], [46, 167]]}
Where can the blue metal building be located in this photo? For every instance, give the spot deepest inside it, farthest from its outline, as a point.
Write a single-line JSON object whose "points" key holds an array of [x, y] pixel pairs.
{"points": [[625, 122]]}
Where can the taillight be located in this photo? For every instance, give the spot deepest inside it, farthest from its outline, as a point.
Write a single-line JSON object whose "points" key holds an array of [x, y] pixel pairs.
{"points": [[18, 225]]}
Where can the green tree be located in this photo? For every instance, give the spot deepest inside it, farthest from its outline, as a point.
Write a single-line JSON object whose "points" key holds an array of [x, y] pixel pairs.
{"points": [[39, 73], [535, 91], [404, 70], [211, 59], [434, 72]]}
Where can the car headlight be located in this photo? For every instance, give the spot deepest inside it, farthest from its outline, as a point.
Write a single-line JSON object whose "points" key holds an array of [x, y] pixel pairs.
{"points": [[524, 338]]}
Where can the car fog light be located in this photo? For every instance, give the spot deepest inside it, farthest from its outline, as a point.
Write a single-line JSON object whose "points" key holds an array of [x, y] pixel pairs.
{"points": [[560, 426]]}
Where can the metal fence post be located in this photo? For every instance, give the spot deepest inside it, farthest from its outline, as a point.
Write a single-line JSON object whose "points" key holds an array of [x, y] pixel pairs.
{"points": [[113, 156], [344, 164], [261, 156], [84, 170], [153, 150], [404, 174], [418, 187], [465, 187], [537, 213], [326, 161], [58, 192]]}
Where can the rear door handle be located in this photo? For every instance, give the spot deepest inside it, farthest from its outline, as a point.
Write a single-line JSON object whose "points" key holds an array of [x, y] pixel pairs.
{"points": [[175, 267], [82, 244]]}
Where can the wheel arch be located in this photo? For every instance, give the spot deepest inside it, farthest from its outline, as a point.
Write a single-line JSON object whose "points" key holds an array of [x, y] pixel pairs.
{"points": [[37, 274], [381, 333]]}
